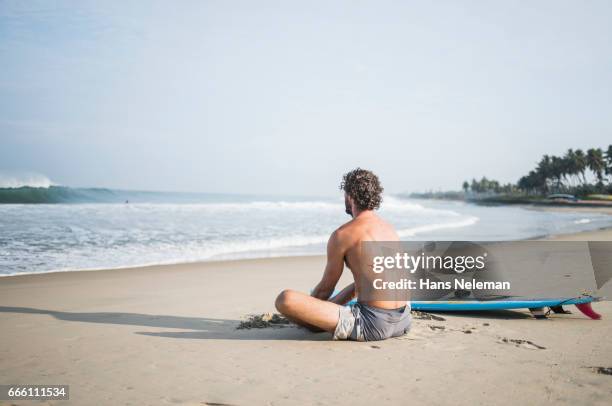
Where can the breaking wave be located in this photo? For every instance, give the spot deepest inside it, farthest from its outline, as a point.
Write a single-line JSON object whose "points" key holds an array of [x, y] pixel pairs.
{"points": [[12, 181], [55, 194]]}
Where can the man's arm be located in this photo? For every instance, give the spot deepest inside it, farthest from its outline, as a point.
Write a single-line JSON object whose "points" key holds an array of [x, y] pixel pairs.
{"points": [[333, 269], [346, 295]]}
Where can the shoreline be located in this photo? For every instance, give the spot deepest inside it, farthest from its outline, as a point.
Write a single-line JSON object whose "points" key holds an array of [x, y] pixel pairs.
{"points": [[151, 266], [579, 204], [568, 208], [598, 234], [138, 262]]}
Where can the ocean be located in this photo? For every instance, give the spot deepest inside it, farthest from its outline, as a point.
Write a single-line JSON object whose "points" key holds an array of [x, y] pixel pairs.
{"points": [[88, 229]]}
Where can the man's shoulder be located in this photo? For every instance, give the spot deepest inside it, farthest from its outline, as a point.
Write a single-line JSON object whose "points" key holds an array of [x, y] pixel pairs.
{"points": [[343, 232], [346, 228], [354, 231]]}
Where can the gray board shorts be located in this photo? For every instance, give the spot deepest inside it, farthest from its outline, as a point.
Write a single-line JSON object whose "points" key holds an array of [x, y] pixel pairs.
{"points": [[360, 322]]}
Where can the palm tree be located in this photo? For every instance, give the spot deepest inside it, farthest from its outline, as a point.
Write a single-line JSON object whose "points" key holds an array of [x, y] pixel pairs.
{"points": [[465, 186], [570, 166], [596, 163], [609, 160], [532, 182], [475, 186], [524, 183], [581, 164], [484, 184], [558, 170], [544, 170]]}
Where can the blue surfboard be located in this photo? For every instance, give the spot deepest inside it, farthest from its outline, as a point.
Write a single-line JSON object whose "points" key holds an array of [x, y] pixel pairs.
{"points": [[464, 305], [583, 303]]}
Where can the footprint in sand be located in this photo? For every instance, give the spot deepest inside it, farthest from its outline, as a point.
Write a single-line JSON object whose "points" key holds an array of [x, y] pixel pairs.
{"points": [[420, 332], [426, 316], [602, 370], [216, 404], [519, 343]]}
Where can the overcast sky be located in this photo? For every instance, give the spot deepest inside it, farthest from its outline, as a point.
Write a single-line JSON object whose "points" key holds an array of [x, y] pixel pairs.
{"points": [[283, 97]]}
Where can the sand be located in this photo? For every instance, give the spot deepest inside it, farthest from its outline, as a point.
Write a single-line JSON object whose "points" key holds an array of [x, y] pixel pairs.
{"points": [[168, 335], [596, 235]]}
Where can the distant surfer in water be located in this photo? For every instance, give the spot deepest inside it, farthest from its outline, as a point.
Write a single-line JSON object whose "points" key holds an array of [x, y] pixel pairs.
{"points": [[365, 320]]}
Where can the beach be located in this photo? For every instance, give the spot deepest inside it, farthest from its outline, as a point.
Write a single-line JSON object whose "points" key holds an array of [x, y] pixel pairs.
{"points": [[168, 335], [181, 182]]}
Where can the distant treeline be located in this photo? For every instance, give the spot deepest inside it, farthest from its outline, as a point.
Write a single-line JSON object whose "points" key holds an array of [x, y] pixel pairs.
{"points": [[576, 173], [568, 173]]}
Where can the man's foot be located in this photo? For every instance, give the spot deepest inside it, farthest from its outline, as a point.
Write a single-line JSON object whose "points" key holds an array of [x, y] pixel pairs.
{"points": [[538, 313], [559, 310]]}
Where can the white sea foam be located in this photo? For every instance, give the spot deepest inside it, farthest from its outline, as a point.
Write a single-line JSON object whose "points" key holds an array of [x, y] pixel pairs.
{"points": [[268, 206], [411, 232], [17, 180], [64, 237], [390, 204], [165, 253]]}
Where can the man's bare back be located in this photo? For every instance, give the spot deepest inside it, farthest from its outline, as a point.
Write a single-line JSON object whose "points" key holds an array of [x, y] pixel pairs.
{"points": [[367, 226], [365, 320]]}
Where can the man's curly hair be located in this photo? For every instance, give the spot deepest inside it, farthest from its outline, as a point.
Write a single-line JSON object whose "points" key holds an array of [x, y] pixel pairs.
{"points": [[363, 187]]}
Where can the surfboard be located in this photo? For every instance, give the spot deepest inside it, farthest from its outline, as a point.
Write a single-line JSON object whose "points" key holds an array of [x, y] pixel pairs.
{"points": [[582, 303]]}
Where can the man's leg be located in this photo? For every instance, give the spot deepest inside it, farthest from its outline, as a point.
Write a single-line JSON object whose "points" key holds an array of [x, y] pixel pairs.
{"points": [[310, 312]]}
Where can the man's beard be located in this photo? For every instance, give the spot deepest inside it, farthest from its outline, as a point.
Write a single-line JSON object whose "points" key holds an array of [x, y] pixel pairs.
{"points": [[347, 207]]}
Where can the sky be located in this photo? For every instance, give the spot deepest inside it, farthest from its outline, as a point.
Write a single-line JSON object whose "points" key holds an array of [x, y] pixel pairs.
{"points": [[283, 97]]}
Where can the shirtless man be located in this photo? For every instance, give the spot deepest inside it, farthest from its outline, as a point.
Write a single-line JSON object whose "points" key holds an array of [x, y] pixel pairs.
{"points": [[365, 320]]}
